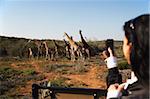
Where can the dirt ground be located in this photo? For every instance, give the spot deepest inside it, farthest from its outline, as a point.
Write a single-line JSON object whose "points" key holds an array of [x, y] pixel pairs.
{"points": [[87, 74], [93, 78]]}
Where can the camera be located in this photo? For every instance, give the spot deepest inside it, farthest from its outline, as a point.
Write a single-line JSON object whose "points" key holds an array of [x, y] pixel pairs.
{"points": [[109, 43]]}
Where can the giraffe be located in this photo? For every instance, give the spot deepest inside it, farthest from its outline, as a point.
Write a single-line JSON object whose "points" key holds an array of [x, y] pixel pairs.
{"points": [[30, 53], [59, 49], [46, 50], [85, 46], [56, 48], [39, 45], [75, 49], [23, 47], [67, 49]]}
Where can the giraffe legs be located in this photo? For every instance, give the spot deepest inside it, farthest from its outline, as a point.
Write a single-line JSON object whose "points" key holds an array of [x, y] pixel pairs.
{"points": [[30, 54], [56, 52], [73, 56], [68, 52], [80, 54], [88, 53], [76, 54], [47, 55]]}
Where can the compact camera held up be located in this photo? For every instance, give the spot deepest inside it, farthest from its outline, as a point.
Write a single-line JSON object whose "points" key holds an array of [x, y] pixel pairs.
{"points": [[109, 44]]}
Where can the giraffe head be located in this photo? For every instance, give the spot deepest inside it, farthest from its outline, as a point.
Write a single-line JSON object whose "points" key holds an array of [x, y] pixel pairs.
{"points": [[80, 31], [65, 34]]}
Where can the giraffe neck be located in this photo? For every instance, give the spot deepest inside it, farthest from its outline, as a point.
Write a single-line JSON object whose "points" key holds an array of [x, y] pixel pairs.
{"points": [[83, 41], [38, 43], [55, 43], [72, 43], [65, 41], [45, 45]]}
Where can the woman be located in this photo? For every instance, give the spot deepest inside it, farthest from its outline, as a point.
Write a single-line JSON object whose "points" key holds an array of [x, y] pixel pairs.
{"points": [[136, 52]]}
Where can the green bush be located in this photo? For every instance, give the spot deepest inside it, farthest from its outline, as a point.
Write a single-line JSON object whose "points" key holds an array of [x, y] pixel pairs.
{"points": [[29, 72], [59, 82], [77, 68], [80, 69], [123, 65], [49, 68], [7, 72], [5, 69], [24, 65], [61, 68], [8, 78]]}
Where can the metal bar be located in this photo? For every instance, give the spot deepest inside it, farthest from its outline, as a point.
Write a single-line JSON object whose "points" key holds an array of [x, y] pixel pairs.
{"points": [[96, 96], [86, 91], [35, 94], [52, 94]]}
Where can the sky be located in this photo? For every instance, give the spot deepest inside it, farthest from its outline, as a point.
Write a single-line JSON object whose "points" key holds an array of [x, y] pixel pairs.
{"points": [[49, 19]]}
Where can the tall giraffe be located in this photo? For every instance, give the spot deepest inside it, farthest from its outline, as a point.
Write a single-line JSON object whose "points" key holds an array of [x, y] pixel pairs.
{"points": [[67, 49], [75, 49], [56, 48], [30, 53], [46, 50], [23, 47], [39, 45], [85, 46]]}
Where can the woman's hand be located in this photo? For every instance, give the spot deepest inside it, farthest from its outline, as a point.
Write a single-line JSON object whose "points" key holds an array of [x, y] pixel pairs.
{"points": [[105, 55], [108, 53], [115, 90], [116, 87]]}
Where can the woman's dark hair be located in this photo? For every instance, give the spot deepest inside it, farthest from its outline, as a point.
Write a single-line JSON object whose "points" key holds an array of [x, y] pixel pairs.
{"points": [[137, 33]]}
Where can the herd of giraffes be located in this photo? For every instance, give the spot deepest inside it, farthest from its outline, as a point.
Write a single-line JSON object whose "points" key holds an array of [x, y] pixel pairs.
{"points": [[71, 50]]}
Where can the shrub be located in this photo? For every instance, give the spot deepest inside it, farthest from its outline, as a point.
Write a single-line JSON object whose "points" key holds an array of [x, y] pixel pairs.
{"points": [[60, 68], [7, 72], [8, 78], [59, 82], [80, 69], [123, 65], [4, 69], [24, 64], [49, 68], [29, 72]]}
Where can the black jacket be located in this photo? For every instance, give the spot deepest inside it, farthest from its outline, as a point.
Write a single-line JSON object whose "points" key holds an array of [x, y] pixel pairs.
{"points": [[134, 91]]}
